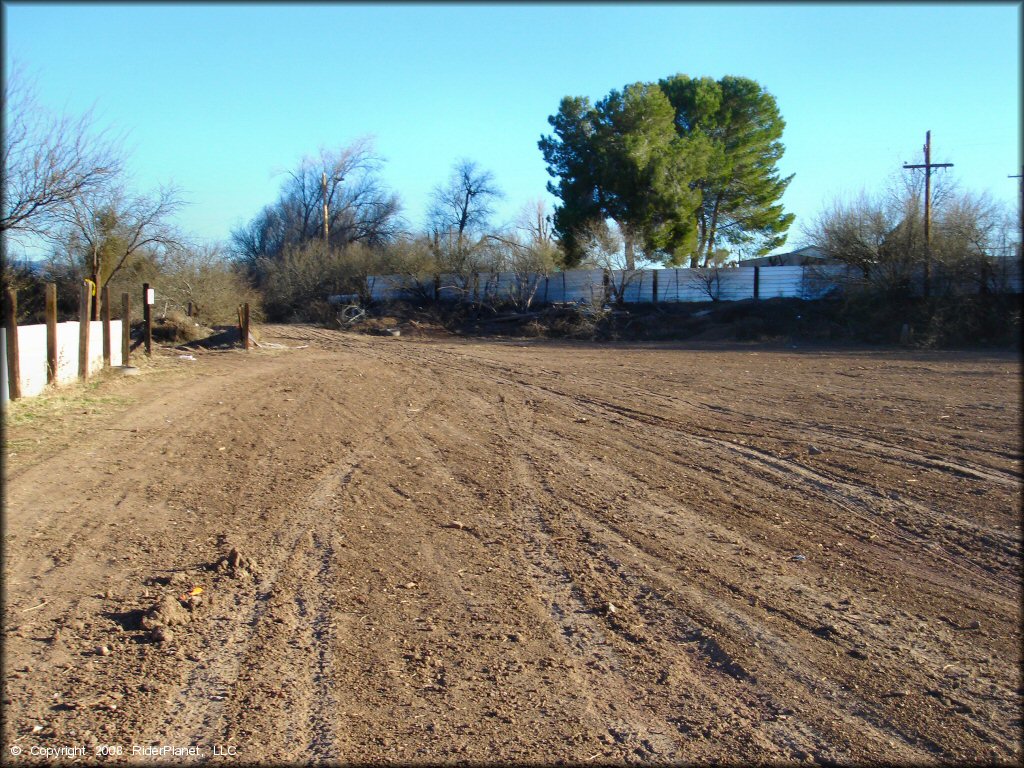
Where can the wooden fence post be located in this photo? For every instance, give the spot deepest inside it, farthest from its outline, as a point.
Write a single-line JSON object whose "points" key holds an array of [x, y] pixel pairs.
{"points": [[105, 315], [245, 326], [147, 316], [126, 328], [654, 286], [757, 282], [13, 360], [51, 333], [84, 307]]}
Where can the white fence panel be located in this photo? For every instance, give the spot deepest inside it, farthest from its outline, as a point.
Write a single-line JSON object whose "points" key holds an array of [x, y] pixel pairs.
{"points": [[817, 281], [686, 285], [507, 285], [780, 282], [388, 288], [583, 285], [32, 354], [454, 287], [674, 285], [1007, 275], [555, 290], [736, 284], [485, 287], [637, 286], [530, 288]]}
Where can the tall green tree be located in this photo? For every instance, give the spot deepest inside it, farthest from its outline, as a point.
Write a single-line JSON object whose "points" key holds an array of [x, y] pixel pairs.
{"points": [[572, 158], [741, 188], [645, 168], [623, 160]]}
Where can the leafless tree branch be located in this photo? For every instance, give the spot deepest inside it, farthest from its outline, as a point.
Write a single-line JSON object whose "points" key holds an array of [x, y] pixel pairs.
{"points": [[49, 161]]}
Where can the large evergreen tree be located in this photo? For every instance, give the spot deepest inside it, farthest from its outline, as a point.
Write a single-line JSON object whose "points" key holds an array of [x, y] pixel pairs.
{"points": [[741, 189], [646, 170], [681, 166], [572, 158], [622, 159]]}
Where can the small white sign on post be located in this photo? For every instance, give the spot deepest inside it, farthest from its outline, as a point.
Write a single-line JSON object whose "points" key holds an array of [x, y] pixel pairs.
{"points": [[151, 295]]}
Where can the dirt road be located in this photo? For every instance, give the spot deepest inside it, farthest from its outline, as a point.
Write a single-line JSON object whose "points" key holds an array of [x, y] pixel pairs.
{"points": [[510, 551]]}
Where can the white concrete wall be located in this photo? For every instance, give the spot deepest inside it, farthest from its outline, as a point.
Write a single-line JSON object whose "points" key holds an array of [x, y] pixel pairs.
{"points": [[32, 354]]}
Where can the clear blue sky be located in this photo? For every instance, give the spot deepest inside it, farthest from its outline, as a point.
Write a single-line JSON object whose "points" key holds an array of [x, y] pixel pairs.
{"points": [[219, 98]]}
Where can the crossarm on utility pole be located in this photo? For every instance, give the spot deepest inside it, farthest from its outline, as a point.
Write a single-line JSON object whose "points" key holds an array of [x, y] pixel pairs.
{"points": [[927, 165]]}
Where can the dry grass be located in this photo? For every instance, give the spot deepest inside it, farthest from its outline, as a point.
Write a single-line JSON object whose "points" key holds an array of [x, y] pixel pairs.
{"points": [[54, 419]]}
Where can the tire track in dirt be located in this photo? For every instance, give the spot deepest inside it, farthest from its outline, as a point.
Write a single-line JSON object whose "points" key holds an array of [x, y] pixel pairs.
{"points": [[285, 632], [205, 710], [840, 493], [856, 500], [834, 488], [873, 448], [439, 529], [718, 661], [583, 633], [693, 619], [865, 504]]}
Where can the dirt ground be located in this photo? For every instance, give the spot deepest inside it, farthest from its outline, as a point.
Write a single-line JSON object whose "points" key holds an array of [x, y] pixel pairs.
{"points": [[454, 550]]}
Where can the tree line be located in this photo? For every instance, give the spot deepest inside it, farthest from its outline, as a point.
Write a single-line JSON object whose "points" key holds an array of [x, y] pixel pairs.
{"points": [[682, 171], [67, 187]]}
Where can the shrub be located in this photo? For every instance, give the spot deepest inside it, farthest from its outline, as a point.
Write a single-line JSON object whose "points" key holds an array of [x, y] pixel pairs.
{"points": [[205, 281]]}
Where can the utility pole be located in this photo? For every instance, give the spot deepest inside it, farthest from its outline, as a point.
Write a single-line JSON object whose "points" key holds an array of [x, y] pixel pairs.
{"points": [[1020, 217], [325, 206], [928, 165]]}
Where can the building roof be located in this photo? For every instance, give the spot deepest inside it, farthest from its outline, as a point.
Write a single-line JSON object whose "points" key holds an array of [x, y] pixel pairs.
{"points": [[809, 254]]}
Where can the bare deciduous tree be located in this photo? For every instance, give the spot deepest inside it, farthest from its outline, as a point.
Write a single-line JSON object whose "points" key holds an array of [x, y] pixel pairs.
{"points": [[881, 237], [458, 218], [463, 205], [708, 280], [106, 227], [49, 161], [535, 222], [359, 207], [604, 246]]}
